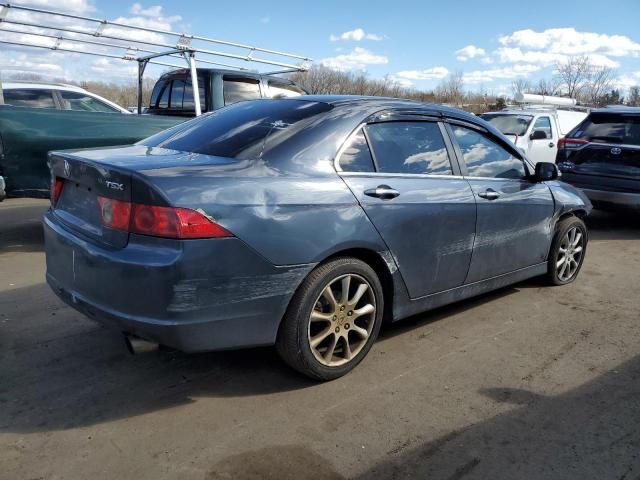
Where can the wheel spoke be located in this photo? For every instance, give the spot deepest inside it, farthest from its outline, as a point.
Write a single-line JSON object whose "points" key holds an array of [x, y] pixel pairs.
{"points": [[368, 308], [317, 316], [561, 261], [347, 354], [572, 235], [328, 354], [320, 337], [346, 283], [328, 294], [360, 331], [362, 288], [576, 239], [577, 249], [563, 269]]}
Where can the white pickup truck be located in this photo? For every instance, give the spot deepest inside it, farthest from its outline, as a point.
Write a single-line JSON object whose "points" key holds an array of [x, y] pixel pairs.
{"points": [[536, 129]]}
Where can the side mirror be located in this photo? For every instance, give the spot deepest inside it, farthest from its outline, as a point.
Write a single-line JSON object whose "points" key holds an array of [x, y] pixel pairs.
{"points": [[545, 171], [538, 135]]}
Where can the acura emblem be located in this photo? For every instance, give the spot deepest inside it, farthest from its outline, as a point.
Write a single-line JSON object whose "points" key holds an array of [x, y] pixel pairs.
{"points": [[67, 169], [616, 151]]}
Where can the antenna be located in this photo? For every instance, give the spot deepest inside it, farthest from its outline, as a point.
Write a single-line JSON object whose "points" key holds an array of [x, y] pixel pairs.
{"points": [[132, 49]]}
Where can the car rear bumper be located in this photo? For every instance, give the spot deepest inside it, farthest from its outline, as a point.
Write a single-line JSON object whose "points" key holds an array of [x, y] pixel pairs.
{"points": [[624, 199], [195, 295]]}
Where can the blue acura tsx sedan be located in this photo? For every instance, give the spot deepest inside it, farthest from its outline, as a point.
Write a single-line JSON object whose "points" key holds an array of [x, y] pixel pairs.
{"points": [[303, 223]]}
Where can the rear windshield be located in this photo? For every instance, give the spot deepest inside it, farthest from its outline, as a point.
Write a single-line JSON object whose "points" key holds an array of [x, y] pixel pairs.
{"points": [[509, 124], [243, 130], [609, 128]]}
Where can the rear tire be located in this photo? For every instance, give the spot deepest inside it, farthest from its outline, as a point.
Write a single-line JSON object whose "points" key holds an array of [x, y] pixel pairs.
{"points": [[568, 250], [326, 332]]}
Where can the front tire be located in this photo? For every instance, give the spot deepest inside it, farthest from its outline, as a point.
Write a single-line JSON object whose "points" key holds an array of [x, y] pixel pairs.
{"points": [[333, 319], [567, 251]]}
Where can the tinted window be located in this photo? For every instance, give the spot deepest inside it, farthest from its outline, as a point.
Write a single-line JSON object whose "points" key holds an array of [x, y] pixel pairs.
{"points": [[485, 158], [177, 93], [246, 130], [237, 90], [409, 147], [163, 101], [279, 90], [509, 124], [29, 98], [544, 124], [187, 102], [356, 157], [609, 128], [84, 102], [155, 95]]}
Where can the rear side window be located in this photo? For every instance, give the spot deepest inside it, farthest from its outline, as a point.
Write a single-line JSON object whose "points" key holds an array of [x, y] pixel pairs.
{"points": [[409, 147], [83, 102], [177, 94], [279, 90], [239, 89], [188, 103], [356, 157], [247, 130], [157, 90], [29, 98], [609, 128], [544, 124], [485, 158]]}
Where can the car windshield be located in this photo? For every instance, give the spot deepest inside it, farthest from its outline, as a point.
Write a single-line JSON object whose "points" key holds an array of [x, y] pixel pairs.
{"points": [[610, 128], [509, 124], [244, 130]]}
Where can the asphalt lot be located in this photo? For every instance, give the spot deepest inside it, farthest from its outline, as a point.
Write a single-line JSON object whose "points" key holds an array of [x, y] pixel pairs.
{"points": [[527, 382]]}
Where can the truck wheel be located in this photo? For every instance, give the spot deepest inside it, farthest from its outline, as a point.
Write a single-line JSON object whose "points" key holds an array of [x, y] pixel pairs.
{"points": [[332, 320], [567, 251]]}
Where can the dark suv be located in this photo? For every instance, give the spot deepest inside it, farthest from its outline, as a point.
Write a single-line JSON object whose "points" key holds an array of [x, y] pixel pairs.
{"points": [[173, 93], [602, 157]]}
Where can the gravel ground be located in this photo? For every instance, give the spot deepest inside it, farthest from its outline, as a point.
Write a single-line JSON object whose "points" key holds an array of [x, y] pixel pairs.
{"points": [[526, 382]]}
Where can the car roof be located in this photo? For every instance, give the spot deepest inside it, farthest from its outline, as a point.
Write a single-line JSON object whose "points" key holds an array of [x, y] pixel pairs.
{"points": [[618, 109], [49, 86]]}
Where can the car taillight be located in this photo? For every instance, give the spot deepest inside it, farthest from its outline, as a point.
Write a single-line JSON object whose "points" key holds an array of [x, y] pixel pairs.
{"points": [[571, 143], [56, 189], [167, 222]]}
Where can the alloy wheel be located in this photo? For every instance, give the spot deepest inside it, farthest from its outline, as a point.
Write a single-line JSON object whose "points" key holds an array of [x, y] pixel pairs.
{"points": [[570, 254], [342, 320]]}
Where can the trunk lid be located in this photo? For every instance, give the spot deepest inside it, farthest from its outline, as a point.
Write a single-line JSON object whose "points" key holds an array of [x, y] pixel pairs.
{"points": [[83, 181]]}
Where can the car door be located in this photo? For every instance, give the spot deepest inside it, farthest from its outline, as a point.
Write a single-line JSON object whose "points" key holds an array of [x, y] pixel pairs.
{"points": [[514, 214], [404, 175], [542, 149]]}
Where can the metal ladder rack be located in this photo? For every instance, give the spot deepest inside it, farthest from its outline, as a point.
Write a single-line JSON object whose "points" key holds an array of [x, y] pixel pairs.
{"points": [[131, 48]]}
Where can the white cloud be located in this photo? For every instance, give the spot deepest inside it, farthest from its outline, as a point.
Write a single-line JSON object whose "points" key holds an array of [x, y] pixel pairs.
{"points": [[543, 58], [629, 80], [31, 64], [470, 51], [569, 41], [358, 59], [79, 7], [356, 35], [433, 73], [514, 71]]}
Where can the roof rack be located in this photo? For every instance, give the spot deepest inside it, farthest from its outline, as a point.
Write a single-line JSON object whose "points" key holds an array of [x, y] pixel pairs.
{"points": [[120, 46]]}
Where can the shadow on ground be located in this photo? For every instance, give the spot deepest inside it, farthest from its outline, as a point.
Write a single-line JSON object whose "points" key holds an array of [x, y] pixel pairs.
{"points": [[614, 225], [592, 432]]}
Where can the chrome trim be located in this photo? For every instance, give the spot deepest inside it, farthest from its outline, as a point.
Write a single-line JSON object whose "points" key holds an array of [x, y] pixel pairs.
{"points": [[343, 147], [399, 175]]}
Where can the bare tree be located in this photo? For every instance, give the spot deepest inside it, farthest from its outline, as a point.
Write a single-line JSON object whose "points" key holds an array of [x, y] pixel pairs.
{"points": [[574, 74], [521, 85], [600, 81], [547, 87], [451, 90], [633, 97]]}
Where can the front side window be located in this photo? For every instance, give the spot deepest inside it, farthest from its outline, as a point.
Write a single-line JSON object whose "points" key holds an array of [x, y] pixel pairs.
{"points": [[356, 157], [485, 158], [29, 98], [409, 147], [83, 102], [239, 89], [544, 124]]}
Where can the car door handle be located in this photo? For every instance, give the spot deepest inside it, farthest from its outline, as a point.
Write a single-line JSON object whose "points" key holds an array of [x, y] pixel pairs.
{"points": [[551, 144], [385, 192], [489, 194]]}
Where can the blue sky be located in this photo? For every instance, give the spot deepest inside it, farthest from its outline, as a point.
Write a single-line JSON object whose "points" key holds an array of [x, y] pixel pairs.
{"points": [[416, 42]]}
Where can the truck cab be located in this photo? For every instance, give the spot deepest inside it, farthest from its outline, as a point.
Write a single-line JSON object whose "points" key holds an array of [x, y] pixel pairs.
{"points": [[535, 131], [173, 92]]}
